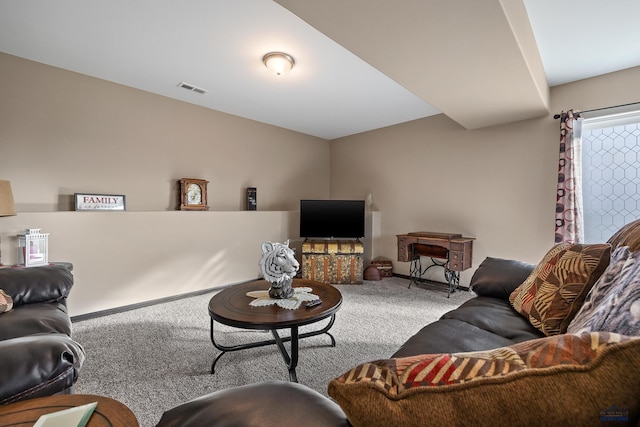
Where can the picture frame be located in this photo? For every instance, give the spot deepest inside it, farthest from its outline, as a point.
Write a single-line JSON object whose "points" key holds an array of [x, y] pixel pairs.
{"points": [[99, 202], [193, 194]]}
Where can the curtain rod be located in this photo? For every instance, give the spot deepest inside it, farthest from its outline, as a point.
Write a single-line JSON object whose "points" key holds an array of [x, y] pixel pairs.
{"points": [[557, 116]]}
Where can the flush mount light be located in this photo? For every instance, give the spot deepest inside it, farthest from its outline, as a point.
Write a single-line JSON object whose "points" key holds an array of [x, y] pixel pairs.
{"points": [[278, 63]]}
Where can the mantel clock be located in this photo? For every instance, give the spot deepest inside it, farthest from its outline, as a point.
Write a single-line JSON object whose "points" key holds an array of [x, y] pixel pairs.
{"points": [[193, 194]]}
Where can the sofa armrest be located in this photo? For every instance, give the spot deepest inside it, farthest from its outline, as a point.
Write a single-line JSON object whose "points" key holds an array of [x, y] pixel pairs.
{"points": [[38, 365], [497, 277], [560, 380], [49, 283]]}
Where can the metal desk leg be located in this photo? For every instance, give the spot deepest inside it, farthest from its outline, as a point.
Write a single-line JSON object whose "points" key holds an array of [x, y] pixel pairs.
{"points": [[416, 272], [453, 280]]}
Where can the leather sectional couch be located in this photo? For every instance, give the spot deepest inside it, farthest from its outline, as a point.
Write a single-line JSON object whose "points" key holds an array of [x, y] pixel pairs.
{"points": [[37, 355], [516, 374]]}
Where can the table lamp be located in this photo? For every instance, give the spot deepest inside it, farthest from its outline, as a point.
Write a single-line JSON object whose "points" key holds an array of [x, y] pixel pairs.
{"points": [[6, 205]]}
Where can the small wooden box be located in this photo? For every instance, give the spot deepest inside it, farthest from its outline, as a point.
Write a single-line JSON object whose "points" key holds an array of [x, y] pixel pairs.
{"points": [[384, 266], [332, 261]]}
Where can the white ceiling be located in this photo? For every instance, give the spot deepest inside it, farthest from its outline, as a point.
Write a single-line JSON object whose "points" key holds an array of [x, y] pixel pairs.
{"points": [[578, 39], [217, 45]]}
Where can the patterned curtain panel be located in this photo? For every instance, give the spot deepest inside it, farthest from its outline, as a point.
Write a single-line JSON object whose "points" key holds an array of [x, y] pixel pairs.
{"points": [[569, 214]]}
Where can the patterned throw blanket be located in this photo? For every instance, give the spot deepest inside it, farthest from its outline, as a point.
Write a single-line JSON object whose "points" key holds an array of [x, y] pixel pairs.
{"points": [[396, 376], [570, 379]]}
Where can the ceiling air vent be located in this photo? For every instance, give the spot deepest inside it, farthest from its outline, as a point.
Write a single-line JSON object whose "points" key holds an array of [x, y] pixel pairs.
{"points": [[192, 88]]}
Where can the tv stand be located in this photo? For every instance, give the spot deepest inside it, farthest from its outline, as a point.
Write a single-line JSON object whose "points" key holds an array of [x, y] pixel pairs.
{"points": [[332, 261]]}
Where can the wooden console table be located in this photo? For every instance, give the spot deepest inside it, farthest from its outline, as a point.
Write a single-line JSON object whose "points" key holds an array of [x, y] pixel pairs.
{"points": [[454, 249]]}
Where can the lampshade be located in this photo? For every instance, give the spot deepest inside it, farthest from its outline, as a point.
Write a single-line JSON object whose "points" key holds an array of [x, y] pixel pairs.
{"points": [[6, 199], [278, 63]]}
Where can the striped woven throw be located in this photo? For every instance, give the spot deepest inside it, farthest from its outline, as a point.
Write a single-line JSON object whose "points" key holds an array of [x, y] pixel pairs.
{"points": [[395, 376]]}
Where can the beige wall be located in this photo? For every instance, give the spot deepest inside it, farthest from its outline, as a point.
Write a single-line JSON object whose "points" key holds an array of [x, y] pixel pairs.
{"points": [[123, 258], [62, 132], [495, 184]]}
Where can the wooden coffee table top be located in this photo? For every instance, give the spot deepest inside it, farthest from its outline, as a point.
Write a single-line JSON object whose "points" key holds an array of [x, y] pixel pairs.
{"points": [[231, 306], [108, 413]]}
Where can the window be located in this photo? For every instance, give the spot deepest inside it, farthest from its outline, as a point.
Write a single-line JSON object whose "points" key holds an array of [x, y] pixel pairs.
{"points": [[611, 171]]}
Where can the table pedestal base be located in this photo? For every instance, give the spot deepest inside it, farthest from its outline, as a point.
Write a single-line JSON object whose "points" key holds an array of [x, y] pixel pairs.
{"points": [[290, 357]]}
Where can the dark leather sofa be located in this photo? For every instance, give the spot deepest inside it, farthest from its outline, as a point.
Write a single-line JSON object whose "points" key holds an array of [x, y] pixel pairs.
{"points": [[482, 323], [37, 355], [485, 322]]}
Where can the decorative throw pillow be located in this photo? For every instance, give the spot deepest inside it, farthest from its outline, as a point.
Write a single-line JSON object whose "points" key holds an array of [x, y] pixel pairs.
{"points": [[613, 304], [6, 302], [554, 291], [588, 373]]}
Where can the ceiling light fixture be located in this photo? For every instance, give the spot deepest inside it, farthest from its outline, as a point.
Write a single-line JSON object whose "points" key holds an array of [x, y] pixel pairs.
{"points": [[278, 63]]}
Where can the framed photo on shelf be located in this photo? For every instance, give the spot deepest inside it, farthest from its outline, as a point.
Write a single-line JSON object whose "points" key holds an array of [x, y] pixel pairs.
{"points": [[252, 202], [193, 194], [99, 202]]}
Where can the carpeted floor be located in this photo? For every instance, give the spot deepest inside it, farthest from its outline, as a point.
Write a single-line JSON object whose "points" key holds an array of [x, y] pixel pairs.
{"points": [[157, 357]]}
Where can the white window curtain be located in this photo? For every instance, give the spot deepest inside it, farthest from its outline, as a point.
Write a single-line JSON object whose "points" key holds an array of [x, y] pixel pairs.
{"points": [[569, 208]]}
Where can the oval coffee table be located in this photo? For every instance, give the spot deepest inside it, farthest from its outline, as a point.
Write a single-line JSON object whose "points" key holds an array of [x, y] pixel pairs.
{"points": [[231, 307]]}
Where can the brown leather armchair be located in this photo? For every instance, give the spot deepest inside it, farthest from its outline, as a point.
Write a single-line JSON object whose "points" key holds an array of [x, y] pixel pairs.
{"points": [[37, 355]]}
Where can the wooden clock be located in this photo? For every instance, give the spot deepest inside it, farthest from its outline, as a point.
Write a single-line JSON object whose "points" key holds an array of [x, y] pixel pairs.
{"points": [[193, 194]]}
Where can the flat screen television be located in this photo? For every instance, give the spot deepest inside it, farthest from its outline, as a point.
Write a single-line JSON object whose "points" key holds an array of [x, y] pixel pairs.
{"points": [[339, 219]]}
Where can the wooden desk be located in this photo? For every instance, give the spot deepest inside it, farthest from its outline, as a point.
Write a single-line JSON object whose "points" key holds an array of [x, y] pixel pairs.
{"points": [[108, 413], [454, 249]]}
